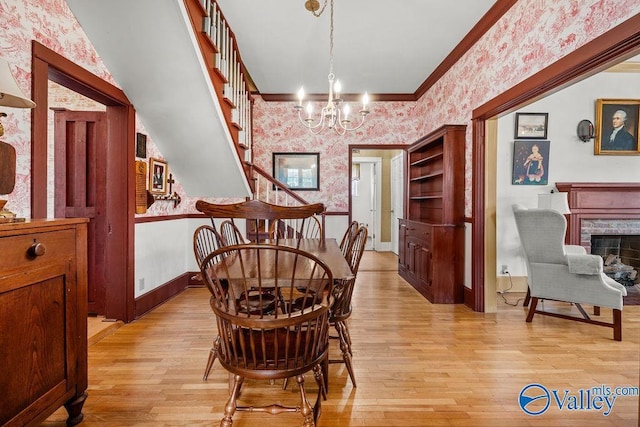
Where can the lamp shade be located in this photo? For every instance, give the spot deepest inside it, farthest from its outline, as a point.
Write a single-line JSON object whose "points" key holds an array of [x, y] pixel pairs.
{"points": [[10, 93], [556, 201]]}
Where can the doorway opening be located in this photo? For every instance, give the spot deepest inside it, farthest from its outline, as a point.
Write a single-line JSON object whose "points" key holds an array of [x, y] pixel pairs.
{"points": [[376, 192], [113, 242]]}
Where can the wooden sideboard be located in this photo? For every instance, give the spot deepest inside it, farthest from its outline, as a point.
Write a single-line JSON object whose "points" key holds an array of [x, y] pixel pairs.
{"points": [[43, 320], [431, 236]]}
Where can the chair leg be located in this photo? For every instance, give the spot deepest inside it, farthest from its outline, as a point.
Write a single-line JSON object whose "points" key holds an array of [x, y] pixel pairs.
{"points": [[319, 377], [213, 354], [596, 310], [527, 298], [346, 351], [617, 324], [305, 408], [532, 309], [231, 406]]}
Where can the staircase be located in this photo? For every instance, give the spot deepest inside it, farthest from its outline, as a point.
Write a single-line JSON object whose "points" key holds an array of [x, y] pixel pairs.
{"points": [[191, 94]]}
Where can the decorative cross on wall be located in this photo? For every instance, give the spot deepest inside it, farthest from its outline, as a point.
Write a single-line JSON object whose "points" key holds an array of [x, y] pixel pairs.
{"points": [[170, 181]]}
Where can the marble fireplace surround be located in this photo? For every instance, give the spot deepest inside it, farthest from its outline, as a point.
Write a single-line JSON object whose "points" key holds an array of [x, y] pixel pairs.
{"points": [[601, 209]]}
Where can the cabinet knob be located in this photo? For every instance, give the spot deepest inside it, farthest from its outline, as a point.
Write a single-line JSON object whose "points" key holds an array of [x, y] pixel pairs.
{"points": [[36, 250]]}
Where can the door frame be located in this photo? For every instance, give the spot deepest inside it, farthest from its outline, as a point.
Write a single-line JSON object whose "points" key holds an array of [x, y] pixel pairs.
{"points": [[119, 248], [395, 243], [617, 44]]}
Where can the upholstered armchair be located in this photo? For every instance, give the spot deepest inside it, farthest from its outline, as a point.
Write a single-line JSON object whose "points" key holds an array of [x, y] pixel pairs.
{"points": [[556, 271]]}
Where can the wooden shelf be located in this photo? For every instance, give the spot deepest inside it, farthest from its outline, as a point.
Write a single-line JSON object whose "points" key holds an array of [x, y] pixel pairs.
{"points": [[427, 159], [431, 244], [426, 197], [428, 176]]}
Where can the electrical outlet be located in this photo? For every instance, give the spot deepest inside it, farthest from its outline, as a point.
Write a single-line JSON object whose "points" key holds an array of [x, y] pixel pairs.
{"points": [[505, 269], [141, 284]]}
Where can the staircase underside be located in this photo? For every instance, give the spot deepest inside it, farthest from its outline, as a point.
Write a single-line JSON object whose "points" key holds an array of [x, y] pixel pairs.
{"points": [[150, 50]]}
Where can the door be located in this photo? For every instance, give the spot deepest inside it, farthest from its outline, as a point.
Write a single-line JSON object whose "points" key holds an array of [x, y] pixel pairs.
{"points": [[365, 197], [397, 194], [80, 154]]}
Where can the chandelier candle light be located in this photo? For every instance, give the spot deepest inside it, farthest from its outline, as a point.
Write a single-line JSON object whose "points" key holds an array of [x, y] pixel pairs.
{"points": [[331, 116]]}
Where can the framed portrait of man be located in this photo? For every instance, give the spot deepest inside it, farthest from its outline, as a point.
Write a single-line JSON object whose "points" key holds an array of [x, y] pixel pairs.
{"points": [[617, 127]]}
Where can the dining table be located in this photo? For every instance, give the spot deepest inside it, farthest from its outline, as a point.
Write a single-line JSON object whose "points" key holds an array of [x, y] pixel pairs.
{"points": [[327, 250], [244, 275]]}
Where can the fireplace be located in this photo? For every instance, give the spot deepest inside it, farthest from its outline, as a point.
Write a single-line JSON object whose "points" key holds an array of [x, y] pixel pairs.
{"points": [[605, 219], [621, 255]]}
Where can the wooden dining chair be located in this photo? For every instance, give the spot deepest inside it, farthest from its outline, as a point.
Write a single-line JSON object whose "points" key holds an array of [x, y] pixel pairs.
{"points": [[205, 241], [341, 308], [272, 307], [260, 215], [305, 228], [348, 236], [230, 233]]}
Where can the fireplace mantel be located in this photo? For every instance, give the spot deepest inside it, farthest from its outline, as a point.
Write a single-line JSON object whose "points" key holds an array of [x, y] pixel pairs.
{"points": [[597, 200]]}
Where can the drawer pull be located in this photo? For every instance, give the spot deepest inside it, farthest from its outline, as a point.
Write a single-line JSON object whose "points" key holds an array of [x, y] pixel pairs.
{"points": [[36, 250]]}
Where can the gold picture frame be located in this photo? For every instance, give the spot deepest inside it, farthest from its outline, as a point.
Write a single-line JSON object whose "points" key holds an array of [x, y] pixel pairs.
{"points": [[158, 172], [617, 127]]}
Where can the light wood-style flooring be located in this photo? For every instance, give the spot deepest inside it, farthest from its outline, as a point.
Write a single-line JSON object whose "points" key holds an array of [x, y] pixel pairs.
{"points": [[416, 364]]}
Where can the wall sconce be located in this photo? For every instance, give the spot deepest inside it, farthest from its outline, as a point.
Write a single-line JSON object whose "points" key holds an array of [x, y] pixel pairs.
{"points": [[10, 96], [585, 130]]}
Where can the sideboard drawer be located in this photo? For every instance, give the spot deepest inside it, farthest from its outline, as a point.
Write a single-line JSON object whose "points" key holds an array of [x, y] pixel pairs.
{"points": [[35, 250]]}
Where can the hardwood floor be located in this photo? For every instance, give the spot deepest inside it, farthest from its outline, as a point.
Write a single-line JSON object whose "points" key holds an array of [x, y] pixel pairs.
{"points": [[416, 364]]}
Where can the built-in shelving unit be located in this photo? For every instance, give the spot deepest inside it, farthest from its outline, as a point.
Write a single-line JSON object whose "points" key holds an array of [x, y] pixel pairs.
{"points": [[431, 249]]}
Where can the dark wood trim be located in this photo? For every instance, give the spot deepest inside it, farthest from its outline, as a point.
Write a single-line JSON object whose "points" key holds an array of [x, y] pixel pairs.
{"points": [[478, 223], [145, 219], [349, 97], [119, 245], [616, 44], [157, 296], [489, 19], [468, 297]]}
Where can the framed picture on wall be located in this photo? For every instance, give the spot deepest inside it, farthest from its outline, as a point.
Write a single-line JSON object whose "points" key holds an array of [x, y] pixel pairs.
{"points": [[531, 163], [617, 122], [141, 145], [531, 125], [158, 171], [298, 171]]}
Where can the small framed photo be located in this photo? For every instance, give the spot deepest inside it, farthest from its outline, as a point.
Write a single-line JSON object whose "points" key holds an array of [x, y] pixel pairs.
{"points": [[298, 171], [158, 171], [617, 127], [531, 125], [141, 145]]}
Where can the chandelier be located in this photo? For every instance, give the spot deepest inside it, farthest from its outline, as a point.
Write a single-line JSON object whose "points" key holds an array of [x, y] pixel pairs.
{"points": [[331, 116]]}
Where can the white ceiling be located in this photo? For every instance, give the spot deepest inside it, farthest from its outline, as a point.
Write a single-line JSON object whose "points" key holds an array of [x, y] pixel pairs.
{"points": [[383, 47]]}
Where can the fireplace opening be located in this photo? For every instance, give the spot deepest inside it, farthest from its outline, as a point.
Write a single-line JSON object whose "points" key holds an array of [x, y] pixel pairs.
{"points": [[621, 255]]}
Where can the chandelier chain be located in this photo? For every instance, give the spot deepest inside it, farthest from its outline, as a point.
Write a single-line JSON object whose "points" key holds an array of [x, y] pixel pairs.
{"points": [[331, 41]]}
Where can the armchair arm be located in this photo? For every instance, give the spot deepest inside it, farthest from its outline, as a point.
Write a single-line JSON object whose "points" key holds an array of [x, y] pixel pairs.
{"points": [[584, 264], [574, 249]]}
